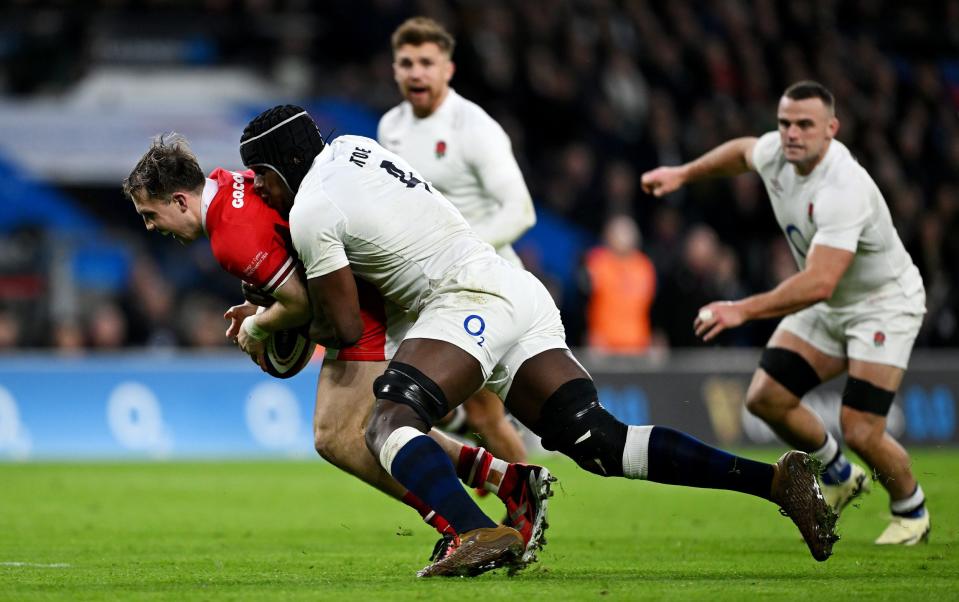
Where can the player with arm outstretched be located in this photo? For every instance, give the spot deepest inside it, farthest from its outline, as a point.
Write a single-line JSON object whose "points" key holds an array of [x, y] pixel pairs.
{"points": [[855, 306], [356, 208], [467, 156], [252, 241]]}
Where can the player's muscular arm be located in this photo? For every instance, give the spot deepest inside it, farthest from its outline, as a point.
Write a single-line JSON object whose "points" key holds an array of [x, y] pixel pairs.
{"points": [[489, 156], [824, 268], [291, 309], [728, 159], [336, 309]]}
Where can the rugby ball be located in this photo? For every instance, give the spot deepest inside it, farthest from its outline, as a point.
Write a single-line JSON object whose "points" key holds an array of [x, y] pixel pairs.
{"points": [[287, 352]]}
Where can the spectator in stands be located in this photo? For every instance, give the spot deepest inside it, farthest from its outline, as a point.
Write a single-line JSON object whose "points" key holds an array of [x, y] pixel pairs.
{"points": [[688, 286], [107, 326], [622, 287], [67, 337], [9, 330]]}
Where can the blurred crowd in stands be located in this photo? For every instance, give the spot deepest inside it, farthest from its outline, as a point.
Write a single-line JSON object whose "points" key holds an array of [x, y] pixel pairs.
{"points": [[592, 93]]}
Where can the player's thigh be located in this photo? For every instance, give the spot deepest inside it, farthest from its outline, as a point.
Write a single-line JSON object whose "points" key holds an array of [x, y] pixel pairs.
{"points": [[883, 376], [484, 408], [880, 340], [765, 388], [537, 379], [458, 374], [462, 335], [344, 395]]}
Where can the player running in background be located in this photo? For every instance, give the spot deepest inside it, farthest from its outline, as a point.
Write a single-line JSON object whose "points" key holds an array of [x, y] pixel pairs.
{"points": [[252, 242], [467, 156], [855, 306], [355, 207]]}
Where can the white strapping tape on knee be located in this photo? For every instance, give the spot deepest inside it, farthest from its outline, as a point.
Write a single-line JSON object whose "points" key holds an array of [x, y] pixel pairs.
{"points": [[636, 452], [394, 443]]}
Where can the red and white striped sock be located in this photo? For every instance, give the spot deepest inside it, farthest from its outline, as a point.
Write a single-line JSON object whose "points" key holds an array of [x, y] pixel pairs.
{"points": [[430, 517], [479, 468]]}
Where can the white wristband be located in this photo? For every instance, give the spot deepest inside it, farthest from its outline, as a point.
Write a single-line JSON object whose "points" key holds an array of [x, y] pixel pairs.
{"points": [[251, 328]]}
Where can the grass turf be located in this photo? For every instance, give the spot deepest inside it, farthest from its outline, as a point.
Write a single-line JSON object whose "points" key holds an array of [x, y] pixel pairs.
{"points": [[303, 530]]}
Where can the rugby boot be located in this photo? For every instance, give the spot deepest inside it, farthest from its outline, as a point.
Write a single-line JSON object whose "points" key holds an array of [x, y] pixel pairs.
{"points": [[797, 492], [526, 489], [446, 544], [839, 496], [476, 552], [905, 531]]}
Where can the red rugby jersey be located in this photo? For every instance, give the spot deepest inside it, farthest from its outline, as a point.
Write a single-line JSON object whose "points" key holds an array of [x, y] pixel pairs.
{"points": [[252, 242], [249, 239]]}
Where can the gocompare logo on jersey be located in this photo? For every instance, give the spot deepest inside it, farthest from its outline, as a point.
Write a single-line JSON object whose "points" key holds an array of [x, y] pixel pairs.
{"points": [[238, 190]]}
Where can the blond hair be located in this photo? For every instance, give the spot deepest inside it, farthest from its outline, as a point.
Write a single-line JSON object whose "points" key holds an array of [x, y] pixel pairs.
{"points": [[422, 30]]}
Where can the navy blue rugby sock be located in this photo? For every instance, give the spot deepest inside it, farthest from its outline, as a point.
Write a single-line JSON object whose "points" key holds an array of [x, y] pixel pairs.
{"points": [[676, 458], [422, 467]]}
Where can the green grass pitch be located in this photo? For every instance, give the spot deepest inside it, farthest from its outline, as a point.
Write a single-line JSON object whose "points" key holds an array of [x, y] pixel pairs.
{"points": [[305, 531]]}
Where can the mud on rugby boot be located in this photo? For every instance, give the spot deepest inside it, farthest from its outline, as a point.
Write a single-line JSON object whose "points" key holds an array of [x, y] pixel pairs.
{"points": [[796, 490], [478, 551], [526, 489]]}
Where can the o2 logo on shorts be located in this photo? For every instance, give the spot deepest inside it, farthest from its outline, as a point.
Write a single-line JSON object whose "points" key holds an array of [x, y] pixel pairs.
{"points": [[474, 326]]}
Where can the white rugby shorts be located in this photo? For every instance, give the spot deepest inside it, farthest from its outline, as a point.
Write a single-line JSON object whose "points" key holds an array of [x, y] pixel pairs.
{"points": [[880, 330], [499, 314]]}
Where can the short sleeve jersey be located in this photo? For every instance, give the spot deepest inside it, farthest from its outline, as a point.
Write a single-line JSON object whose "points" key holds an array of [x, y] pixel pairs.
{"points": [[363, 206], [465, 154], [837, 205], [252, 242], [249, 239]]}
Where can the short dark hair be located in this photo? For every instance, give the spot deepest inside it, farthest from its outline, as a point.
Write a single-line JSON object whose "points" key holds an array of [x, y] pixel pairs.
{"points": [[810, 89], [169, 166], [421, 30]]}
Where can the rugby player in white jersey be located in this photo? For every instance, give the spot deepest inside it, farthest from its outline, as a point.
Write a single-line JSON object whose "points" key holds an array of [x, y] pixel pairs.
{"points": [[357, 208], [252, 242], [466, 155], [855, 306]]}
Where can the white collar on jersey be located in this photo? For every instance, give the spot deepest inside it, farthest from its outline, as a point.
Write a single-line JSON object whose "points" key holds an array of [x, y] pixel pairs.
{"points": [[209, 191]]}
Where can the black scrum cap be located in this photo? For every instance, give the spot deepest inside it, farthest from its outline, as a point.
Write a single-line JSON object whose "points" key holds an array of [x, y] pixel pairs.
{"points": [[285, 139]]}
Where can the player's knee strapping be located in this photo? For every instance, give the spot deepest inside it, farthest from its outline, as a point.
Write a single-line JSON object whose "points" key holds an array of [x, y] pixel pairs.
{"points": [[573, 422], [789, 369], [867, 397], [405, 384]]}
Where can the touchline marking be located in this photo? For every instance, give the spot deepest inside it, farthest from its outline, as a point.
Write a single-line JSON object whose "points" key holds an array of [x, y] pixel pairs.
{"points": [[55, 565]]}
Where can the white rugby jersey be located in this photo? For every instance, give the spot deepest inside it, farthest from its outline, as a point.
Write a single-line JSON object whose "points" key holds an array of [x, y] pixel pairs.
{"points": [[837, 205], [363, 206], [465, 154]]}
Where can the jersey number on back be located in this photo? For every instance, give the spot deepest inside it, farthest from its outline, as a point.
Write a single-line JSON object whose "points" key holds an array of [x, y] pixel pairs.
{"points": [[409, 179]]}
